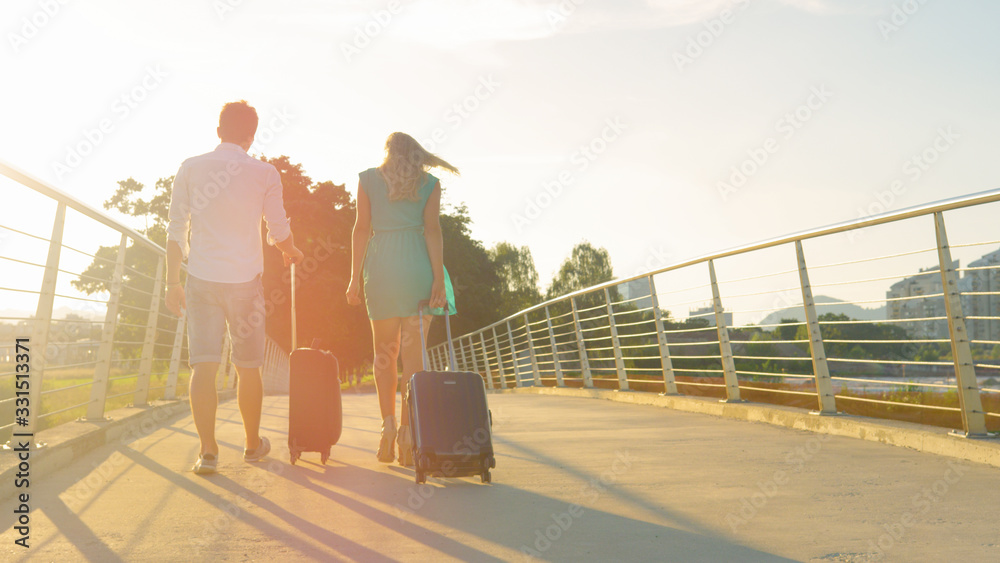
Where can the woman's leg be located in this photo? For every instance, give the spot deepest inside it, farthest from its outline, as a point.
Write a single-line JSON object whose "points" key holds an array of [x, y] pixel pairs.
{"points": [[385, 337], [412, 353]]}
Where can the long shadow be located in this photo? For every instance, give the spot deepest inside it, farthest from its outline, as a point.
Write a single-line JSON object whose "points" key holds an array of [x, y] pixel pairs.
{"points": [[545, 527], [318, 533]]}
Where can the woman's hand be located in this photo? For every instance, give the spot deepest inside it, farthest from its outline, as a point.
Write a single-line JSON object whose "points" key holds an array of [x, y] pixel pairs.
{"points": [[439, 297], [353, 293]]}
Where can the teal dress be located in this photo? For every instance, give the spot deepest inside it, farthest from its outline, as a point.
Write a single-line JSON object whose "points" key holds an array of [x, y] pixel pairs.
{"points": [[397, 269]]}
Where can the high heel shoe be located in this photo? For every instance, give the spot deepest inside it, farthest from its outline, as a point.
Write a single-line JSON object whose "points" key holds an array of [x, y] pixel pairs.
{"points": [[405, 443], [385, 452]]}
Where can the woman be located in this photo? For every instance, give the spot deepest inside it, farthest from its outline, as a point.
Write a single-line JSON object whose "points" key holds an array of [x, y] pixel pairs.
{"points": [[397, 237]]}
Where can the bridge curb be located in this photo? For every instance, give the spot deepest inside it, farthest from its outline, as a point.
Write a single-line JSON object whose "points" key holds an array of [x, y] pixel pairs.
{"points": [[922, 438], [70, 441]]}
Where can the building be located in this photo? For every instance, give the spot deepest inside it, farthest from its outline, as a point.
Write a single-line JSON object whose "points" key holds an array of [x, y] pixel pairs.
{"points": [[926, 282], [982, 276]]}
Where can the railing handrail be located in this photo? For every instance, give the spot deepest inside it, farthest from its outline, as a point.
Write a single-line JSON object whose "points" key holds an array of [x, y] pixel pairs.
{"points": [[988, 196], [60, 196]]}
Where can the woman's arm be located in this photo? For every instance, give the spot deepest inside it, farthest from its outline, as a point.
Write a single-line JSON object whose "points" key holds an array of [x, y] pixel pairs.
{"points": [[435, 246], [359, 244]]}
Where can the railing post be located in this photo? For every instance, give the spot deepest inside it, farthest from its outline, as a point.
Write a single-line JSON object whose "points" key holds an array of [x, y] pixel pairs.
{"points": [[513, 355], [725, 348], [555, 350], [486, 361], [102, 371], [472, 353], [581, 346], [969, 400], [462, 355], [496, 348], [616, 344], [149, 342], [669, 382], [175, 359], [43, 320], [531, 352], [821, 370]]}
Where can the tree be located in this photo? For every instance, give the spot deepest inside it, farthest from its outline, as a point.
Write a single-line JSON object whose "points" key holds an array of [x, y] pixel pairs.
{"points": [[518, 278], [788, 329], [586, 266]]}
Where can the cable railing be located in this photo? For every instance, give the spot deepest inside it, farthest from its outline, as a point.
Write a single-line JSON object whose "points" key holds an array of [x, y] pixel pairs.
{"points": [[130, 351], [932, 357]]}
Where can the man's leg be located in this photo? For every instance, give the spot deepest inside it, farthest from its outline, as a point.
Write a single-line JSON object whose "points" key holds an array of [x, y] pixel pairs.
{"points": [[250, 396], [204, 402]]}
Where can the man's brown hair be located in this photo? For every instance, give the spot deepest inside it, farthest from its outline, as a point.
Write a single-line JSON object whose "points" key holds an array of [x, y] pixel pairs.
{"points": [[237, 121]]}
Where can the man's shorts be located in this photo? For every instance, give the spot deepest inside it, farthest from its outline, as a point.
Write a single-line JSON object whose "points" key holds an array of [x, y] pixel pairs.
{"points": [[210, 306]]}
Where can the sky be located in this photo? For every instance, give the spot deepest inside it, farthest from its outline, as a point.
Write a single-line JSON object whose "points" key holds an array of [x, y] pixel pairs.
{"points": [[625, 123]]}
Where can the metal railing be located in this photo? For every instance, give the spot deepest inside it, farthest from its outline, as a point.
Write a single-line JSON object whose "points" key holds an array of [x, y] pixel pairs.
{"points": [[129, 351], [617, 335]]}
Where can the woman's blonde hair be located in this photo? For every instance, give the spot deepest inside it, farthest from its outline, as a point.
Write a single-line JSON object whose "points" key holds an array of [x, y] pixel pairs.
{"points": [[405, 164]]}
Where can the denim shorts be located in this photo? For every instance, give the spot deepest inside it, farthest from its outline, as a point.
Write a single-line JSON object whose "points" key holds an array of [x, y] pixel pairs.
{"points": [[213, 305]]}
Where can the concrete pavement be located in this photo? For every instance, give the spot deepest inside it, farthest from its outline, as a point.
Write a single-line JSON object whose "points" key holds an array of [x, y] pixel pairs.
{"points": [[576, 479]]}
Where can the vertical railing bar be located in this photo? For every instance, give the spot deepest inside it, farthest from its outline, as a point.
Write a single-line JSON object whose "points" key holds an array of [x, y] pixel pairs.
{"points": [[616, 344], [555, 349], [513, 356], [146, 364], [669, 380], [821, 370], [43, 321], [496, 348], [969, 399], [531, 351], [725, 348], [102, 371], [581, 346], [486, 360]]}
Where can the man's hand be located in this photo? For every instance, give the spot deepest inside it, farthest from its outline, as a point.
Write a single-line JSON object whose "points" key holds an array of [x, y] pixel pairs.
{"points": [[176, 301], [293, 256], [353, 293]]}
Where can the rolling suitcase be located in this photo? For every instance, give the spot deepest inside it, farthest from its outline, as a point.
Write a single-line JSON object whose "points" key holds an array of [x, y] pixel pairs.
{"points": [[315, 416], [450, 422]]}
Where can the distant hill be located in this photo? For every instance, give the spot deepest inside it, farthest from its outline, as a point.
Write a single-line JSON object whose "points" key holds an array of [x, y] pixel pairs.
{"points": [[852, 311]]}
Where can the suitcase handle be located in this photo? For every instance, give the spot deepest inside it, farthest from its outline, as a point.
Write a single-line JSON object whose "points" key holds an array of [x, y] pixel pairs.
{"points": [[294, 336], [426, 303]]}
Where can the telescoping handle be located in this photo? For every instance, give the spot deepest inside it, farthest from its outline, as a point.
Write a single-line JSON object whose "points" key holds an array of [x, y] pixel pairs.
{"points": [[294, 336], [426, 303]]}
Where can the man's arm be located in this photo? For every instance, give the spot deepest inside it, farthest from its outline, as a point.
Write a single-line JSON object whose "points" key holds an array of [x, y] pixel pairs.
{"points": [[179, 216]]}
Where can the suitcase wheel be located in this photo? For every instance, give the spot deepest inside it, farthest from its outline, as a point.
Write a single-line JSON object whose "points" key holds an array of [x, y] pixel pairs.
{"points": [[420, 477], [424, 463], [324, 456], [486, 477], [293, 457]]}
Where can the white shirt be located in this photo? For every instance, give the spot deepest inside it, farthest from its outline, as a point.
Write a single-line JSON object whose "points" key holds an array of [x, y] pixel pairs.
{"points": [[220, 196]]}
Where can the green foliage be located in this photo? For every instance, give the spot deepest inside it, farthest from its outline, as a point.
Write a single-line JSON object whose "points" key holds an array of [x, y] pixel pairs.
{"points": [[586, 266], [518, 278], [860, 330]]}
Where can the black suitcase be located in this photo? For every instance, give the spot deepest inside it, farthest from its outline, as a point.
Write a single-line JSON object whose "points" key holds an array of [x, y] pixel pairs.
{"points": [[450, 422], [315, 416]]}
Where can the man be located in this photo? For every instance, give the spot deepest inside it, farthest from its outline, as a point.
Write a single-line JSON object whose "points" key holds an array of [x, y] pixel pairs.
{"points": [[220, 197]]}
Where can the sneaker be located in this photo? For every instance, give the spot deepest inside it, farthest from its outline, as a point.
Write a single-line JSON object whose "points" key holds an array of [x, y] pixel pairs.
{"points": [[258, 454], [206, 464]]}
